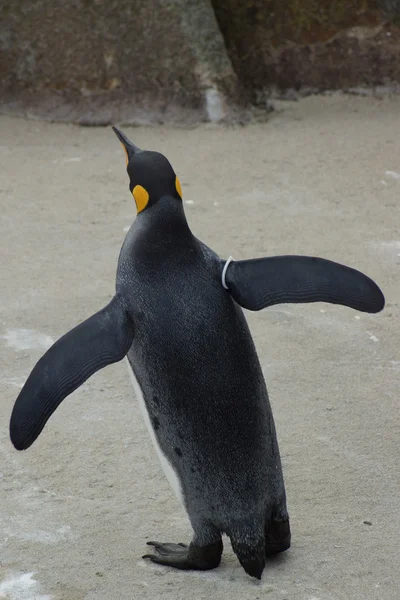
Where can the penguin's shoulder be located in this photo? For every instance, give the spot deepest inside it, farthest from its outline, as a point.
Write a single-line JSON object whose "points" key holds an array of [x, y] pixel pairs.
{"points": [[209, 263]]}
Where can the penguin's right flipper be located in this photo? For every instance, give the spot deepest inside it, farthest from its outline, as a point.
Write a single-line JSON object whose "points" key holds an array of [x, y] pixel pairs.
{"points": [[262, 282], [102, 339]]}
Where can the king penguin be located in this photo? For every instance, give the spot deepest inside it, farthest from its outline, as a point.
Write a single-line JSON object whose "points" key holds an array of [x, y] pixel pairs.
{"points": [[177, 316]]}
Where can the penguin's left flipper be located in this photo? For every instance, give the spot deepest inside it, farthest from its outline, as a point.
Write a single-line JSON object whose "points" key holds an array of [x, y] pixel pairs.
{"points": [[180, 556], [102, 339], [262, 282]]}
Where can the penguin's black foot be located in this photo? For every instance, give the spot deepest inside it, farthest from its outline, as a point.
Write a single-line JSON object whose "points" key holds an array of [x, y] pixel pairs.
{"points": [[180, 556], [277, 538]]}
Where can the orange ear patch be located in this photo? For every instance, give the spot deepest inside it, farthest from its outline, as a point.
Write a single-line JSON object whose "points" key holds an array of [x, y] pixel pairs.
{"points": [[178, 187], [141, 197]]}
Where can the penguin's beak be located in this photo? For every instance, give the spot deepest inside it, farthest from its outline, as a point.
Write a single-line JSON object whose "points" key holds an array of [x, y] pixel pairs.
{"points": [[129, 147]]}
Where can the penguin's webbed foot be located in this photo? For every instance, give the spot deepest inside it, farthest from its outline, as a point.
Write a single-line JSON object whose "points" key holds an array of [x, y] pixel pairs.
{"points": [[181, 556]]}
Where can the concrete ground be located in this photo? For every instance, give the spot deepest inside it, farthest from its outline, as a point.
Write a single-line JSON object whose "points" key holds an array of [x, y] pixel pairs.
{"points": [[322, 177]]}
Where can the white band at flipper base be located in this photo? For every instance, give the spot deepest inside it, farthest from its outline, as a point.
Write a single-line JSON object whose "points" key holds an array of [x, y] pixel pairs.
{"points": [[228, 262]]}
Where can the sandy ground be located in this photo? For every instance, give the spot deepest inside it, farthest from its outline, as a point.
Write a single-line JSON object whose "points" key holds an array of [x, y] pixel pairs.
{"points": [[321, 177]]}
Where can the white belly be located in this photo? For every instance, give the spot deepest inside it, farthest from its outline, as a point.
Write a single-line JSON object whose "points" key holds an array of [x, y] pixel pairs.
{"points": [[166, 465]]}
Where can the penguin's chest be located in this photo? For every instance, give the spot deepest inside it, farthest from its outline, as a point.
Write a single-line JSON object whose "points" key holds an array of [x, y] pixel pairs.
{"points": [[169, 471]]}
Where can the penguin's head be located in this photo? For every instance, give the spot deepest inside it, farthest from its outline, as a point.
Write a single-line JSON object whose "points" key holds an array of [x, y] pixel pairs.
{"points": [[151, 175]]}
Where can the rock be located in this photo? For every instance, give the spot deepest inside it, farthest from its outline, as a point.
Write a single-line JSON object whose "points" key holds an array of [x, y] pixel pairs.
{"points": [[100, 61], [311, 45]]}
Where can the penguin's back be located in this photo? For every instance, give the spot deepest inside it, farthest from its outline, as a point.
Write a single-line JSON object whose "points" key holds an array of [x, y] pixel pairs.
{"points": [[195, 363]]}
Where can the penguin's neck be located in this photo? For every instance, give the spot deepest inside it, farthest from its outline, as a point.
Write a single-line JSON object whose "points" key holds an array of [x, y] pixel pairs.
{"points": [[164, 222]]}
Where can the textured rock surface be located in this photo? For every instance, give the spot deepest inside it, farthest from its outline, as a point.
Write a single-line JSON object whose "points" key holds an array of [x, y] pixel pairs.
{"points": [[185, 61], [93, 61], [317, 44]]}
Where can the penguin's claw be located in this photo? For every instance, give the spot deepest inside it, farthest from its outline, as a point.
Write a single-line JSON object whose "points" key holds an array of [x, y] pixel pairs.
{"points": [[165, 549], [169, 561]]}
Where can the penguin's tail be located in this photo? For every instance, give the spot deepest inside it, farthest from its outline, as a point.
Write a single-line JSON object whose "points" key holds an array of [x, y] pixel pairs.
{"points": [[249, 547]]}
